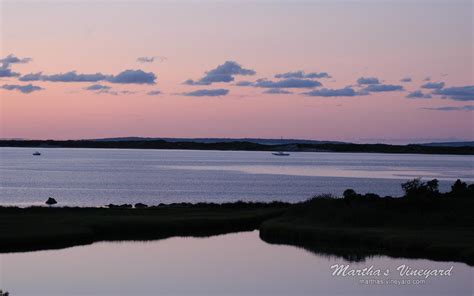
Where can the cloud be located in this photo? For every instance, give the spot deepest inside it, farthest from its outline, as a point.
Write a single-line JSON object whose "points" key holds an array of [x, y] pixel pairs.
{"points": [[133, 76], [146, 59], [26, 89], [6, 72], [97, 87], [433, 85], [222, 73], [207, 93], [127, 76], [287, 83], [326, 92], [244, 83], [104, 89], [405, 79], [150, 59], [302, 74], [276, 91], [12, 59], [382, 88], [154, 93], [115, 92], [458, 93], [70, 76], [418, 94], [368, 81], [451, 108]]}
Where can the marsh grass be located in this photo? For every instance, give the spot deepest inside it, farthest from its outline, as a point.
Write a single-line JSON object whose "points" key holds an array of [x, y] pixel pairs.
{"points": [[424, 223]]}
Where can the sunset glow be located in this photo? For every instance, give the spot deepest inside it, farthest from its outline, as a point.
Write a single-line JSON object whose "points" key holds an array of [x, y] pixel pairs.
{"points": [[347, 41]]}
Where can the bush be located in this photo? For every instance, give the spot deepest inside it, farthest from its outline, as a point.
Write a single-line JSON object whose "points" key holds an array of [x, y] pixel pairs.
{"points": [[418, 189], [348, 193]]}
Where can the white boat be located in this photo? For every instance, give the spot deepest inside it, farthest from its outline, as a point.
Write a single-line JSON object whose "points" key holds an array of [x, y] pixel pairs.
{"points": [[281, 153], [36, 153]]}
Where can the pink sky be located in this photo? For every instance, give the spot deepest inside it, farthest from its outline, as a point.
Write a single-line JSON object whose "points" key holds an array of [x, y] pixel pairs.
{"points": [[348, 40]]}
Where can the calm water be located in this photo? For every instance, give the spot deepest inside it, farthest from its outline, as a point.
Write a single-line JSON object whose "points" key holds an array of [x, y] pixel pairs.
{"points": [[95, 177], [232, 264]]}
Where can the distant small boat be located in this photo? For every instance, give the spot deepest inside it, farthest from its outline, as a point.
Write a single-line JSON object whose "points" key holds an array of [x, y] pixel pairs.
{"points": [[281, 153], [36, 153]]}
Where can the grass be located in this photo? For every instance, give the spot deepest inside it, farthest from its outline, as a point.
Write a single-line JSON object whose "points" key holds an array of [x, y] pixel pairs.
{"points": [[38, 228], [422, 224]]}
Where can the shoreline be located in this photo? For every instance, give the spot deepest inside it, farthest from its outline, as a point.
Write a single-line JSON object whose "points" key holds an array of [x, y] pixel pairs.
{"points": [[243, 146], [422, 224]]}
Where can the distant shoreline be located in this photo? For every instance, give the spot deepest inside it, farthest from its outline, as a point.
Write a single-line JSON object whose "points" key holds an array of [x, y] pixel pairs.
{"points": [[243, 146]]}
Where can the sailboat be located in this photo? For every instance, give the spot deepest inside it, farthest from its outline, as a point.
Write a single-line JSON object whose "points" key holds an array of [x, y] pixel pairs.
{"points": [[281, 153]]}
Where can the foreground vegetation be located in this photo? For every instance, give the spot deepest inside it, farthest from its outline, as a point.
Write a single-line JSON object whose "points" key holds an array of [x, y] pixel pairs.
{"points": [[423, 224], [242, 146], [38, 228]]}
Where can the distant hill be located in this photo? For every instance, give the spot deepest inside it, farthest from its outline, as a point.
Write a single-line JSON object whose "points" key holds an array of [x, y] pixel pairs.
{"points": [[219, 140], [450, 144], [240, 145]]}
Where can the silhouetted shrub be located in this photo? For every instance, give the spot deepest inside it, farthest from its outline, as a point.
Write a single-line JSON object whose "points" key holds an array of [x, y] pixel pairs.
{"points": [[460, 189], [348, 193], [432, 186], [51, 201], [418, 189], [123, 206]]}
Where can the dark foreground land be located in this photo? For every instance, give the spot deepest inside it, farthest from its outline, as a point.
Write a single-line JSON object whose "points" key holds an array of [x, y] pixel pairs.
{"points": [[422, 224], [243, 146]]}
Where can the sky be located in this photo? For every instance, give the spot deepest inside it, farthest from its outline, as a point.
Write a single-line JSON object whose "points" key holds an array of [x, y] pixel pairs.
{"points": [[362, 71]]}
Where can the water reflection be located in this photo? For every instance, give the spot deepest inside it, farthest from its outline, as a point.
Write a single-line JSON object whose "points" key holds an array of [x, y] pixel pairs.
{"points": [[231, 264]]}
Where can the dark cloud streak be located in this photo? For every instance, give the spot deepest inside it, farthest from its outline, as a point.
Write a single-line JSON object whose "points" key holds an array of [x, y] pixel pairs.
{"points": [[26, 89], [207, 93], [124, 77], [302, 75]]}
